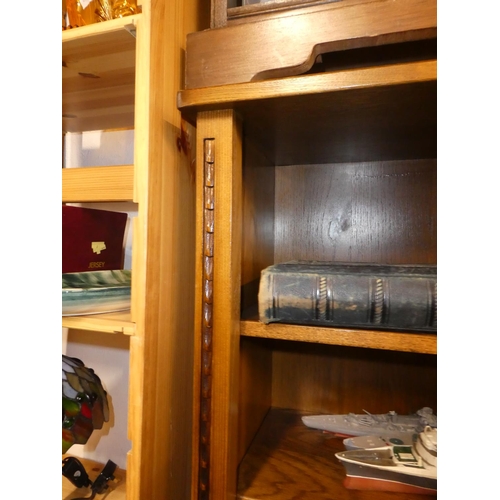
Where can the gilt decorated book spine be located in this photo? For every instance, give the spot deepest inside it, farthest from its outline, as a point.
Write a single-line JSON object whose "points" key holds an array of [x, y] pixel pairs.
{"points": [[350, 295]]}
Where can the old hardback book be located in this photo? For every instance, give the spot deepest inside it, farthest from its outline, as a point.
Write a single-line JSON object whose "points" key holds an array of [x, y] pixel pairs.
{"points": [[92, 240], [356, 295]]}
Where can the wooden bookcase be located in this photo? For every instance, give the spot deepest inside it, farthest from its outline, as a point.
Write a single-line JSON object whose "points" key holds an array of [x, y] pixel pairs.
{"points": [[335, 164], [286, 38], [125, 73]]}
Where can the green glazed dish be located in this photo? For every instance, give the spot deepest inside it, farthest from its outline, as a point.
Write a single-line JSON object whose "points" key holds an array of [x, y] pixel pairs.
{"points": [[95, 292]]}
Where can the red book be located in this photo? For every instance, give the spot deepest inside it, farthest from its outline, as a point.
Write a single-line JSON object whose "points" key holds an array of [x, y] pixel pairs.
{"points": [[92, 240]]}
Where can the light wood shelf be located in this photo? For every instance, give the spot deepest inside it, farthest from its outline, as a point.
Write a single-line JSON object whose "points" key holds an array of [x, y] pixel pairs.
{"points": [[98, 75], [99, 184], [374, 339], [118, 322], [116, 489], [95, 184]]}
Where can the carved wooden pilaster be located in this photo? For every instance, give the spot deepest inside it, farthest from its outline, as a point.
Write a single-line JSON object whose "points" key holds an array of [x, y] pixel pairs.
{"points": [[219, 193], [207, 327]]}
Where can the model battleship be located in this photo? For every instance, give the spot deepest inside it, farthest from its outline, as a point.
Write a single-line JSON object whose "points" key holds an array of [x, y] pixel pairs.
{"points": [[400, 468], [380, 440], [368, 424]]}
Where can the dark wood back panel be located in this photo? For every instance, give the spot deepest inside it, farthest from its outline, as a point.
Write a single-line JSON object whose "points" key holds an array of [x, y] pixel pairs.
{"points": [[381, 212]]}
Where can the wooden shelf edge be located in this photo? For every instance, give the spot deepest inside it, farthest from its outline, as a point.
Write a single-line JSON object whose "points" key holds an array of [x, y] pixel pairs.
{"points": [[117, 486], [232, 94], [94, 184], [92, 30], [98, 75], [107, 323], [423, 343]]}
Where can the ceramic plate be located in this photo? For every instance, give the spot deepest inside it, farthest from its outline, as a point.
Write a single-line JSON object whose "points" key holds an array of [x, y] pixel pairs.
{"points": [[95, 292]]}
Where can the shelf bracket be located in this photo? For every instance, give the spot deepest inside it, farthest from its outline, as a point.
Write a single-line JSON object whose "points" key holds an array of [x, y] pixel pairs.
{"points": [[132, 29]]}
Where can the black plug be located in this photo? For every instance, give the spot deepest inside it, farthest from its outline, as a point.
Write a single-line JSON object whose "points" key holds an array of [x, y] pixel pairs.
{"points": [[101, 483], [74, 470]]}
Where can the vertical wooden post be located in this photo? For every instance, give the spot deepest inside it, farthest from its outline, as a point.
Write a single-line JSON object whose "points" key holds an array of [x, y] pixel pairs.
{"points": [[218, 14], [217, 313], [161, 350]]}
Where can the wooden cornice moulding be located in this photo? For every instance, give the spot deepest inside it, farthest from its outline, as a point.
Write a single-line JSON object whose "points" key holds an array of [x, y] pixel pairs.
{"points": [[289, 44], [306, 85]]}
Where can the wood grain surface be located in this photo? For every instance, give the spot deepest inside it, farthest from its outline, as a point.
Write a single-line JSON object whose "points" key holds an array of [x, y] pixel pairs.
{"points": [[373, 339], [288, 43], [350, 115], [289, 460], [338, 165], [98, 75], [90, 184], [382, 212], [126, 73]]}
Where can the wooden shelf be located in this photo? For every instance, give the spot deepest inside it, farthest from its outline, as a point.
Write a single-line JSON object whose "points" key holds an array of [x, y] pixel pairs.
{"points": [[116, 490], [289, 460], [124, 74], [98, 75], [425, 343], [94, 184], [228, 96], [400, 98], [119, 322]]}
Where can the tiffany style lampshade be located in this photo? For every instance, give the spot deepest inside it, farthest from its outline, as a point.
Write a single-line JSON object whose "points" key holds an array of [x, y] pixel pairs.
{"points": [[84, 403]]}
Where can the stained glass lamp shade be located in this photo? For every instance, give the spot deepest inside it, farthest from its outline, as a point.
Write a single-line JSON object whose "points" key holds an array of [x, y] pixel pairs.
{"points": [[84, 402]]}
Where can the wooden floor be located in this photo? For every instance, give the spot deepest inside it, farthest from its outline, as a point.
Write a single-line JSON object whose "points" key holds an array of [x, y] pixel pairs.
{"points": [[116, 490]]}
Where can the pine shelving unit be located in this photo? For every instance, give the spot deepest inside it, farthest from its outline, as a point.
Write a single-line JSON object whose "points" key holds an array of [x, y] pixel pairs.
{"points": [[124, 74], [99, 65], [108, 323]]}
